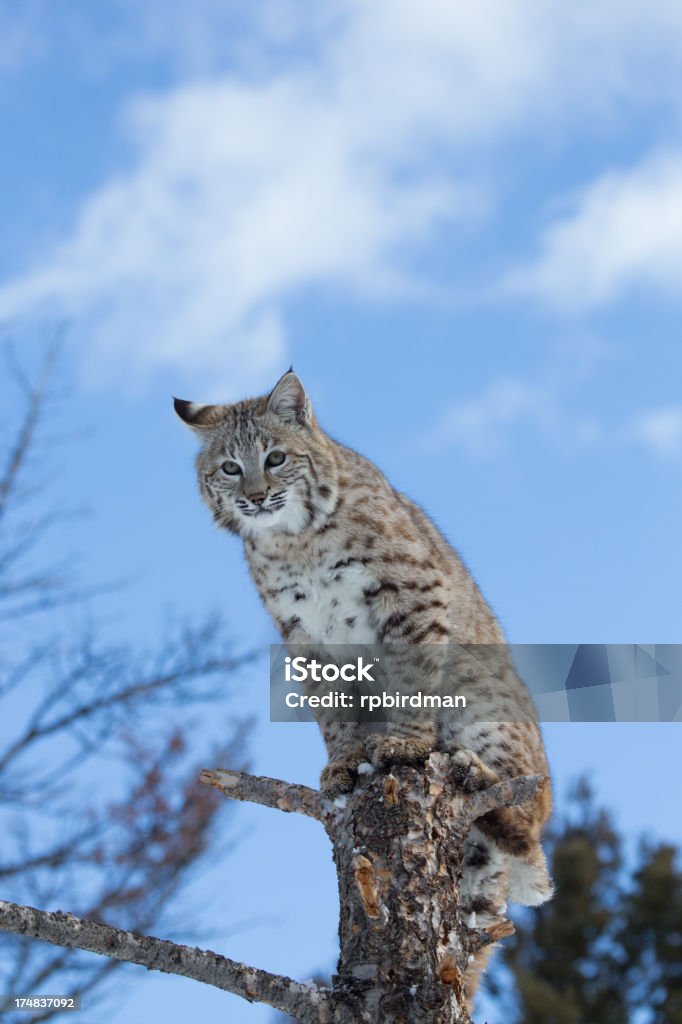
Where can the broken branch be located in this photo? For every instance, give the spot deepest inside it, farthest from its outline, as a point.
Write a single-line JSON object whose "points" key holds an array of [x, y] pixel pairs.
{"points": [[259, 789]]}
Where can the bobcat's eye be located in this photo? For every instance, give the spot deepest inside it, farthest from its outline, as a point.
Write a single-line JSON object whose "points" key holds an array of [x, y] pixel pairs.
{"points": [[231, 468], [275, 459]]}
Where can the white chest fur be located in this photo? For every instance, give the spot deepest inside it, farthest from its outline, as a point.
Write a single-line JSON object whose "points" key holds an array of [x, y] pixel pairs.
{"points": [[327, 598]]}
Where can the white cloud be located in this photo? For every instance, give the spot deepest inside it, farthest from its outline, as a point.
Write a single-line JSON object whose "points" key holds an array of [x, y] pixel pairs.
{"points": [[555, 405], [334, 168], [546, 403], [483, 425], [625, 232], [661, 430], [241, 196]]}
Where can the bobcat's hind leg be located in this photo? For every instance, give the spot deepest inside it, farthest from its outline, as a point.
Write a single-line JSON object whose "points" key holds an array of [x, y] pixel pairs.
{"points": [[470, 773]]}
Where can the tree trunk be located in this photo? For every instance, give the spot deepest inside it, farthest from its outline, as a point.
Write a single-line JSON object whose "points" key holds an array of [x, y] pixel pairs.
{"points": [[397, 842], [404, 947]]}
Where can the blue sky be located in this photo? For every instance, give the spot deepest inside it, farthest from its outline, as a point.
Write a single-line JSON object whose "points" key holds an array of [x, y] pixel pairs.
{"points": [[463, 225]]}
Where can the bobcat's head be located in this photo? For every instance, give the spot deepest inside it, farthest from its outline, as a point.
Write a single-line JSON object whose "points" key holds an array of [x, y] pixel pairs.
{"points": [[264, 463]]}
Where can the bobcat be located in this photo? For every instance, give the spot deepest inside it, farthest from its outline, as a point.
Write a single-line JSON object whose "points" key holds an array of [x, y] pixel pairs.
{"points": [[339, 556]]}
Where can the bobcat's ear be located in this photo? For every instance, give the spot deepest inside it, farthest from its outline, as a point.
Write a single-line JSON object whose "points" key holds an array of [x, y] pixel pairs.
{"points": [[289, 401], [199, 418]]}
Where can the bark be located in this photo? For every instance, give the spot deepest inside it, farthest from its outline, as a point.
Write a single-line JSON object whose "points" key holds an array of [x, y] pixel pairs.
{"points": [[404, 946], [286, 995]]}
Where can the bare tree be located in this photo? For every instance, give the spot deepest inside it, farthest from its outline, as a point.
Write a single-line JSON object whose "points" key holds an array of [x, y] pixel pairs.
{"points": [[90, 815]]}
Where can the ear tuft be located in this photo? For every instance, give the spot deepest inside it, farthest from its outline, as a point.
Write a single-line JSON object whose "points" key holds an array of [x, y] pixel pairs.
{"points": [[183, 409], [198, 417], [288, 399]]}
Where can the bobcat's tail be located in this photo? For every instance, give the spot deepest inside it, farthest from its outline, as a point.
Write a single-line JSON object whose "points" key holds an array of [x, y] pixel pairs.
{"points": [[529, 879]]}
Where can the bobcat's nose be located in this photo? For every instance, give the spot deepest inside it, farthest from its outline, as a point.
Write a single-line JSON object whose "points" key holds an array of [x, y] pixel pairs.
{"points": [[257, 498]]}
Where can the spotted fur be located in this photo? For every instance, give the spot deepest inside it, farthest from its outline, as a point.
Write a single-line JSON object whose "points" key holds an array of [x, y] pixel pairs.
{"points": [[340, 557]]}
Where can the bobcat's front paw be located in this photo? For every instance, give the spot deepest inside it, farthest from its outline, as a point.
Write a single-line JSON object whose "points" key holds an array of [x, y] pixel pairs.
{"points": [[470, 773], [338, 777], [384, 751]]}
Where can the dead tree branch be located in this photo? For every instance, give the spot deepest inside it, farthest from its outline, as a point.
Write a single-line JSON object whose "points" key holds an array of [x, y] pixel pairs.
{"points": [[504, 794], [397, 843], [258, 789], [301, 1001]]}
